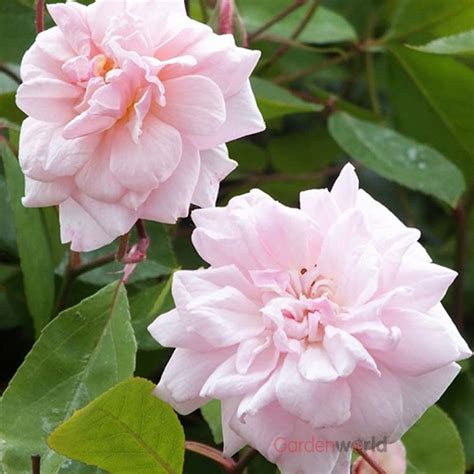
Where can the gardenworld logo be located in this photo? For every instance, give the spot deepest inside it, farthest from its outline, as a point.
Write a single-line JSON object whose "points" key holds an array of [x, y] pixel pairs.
{"points": [[314, 445]]}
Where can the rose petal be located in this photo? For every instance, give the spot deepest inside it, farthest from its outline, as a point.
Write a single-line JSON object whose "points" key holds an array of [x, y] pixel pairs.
{"points": [[194, 105], [215, 166], [89, 224], [39, 194], [151, 160], [321, 403], [242, 118], [171, 200]]}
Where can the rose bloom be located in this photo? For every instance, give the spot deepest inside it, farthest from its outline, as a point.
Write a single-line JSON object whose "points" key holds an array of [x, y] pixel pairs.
{"points": [[323, 322], [130, 104]]}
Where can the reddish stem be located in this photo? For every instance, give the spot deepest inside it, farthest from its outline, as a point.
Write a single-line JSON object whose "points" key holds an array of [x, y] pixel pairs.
{"points": [[123, 247], [370, 461], [39, 16], [299, 29], [74, 260], [228, 464], [294, 76], [245, 460], [138, 252], [207, 451], [278, 17]]}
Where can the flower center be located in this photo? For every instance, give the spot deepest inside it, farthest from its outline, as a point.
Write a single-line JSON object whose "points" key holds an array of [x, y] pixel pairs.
{"points": [[101, 65], [315, 285], [299, 307]]}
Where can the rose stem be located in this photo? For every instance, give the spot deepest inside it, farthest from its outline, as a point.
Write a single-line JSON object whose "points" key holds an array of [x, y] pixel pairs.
{"points": [[284, 13], [123, 247], [299, 29], [35, 464], [228, 464], [245, 460], [207, 451], [370, 461], [39, 16]]}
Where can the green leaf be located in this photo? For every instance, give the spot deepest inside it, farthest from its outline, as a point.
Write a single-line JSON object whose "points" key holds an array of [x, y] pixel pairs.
{"points": [[126, 430], [51, 223], [325, 26], [34, 245], [212, 414], [9, 110], [454, 25], [298, 153], [7, 83], [251, 158], [13, 310], [414, 16], [145, 307], [462, 43], [161, 248], [433, 445], [398, 158], [17, 27], [359, 11], [84, 351], [275, 101], [8, 248], [443, 91], [458, 403]]}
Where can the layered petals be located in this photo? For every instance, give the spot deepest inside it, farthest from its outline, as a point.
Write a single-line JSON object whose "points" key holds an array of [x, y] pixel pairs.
{"points": [[242, 118], [45, 155], [261, 228], [190, 97], [48, 99], [148, 161], [215, 166], [331, 323], [170, 201], [184, 392], [198, 295], [135, 102], [40, 194], [330, 402], [89, 224], [421, 336]]}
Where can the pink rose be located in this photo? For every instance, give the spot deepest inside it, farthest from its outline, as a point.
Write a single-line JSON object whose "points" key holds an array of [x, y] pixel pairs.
{"points": [[130, 104], [323, 323], [393, 460]]}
